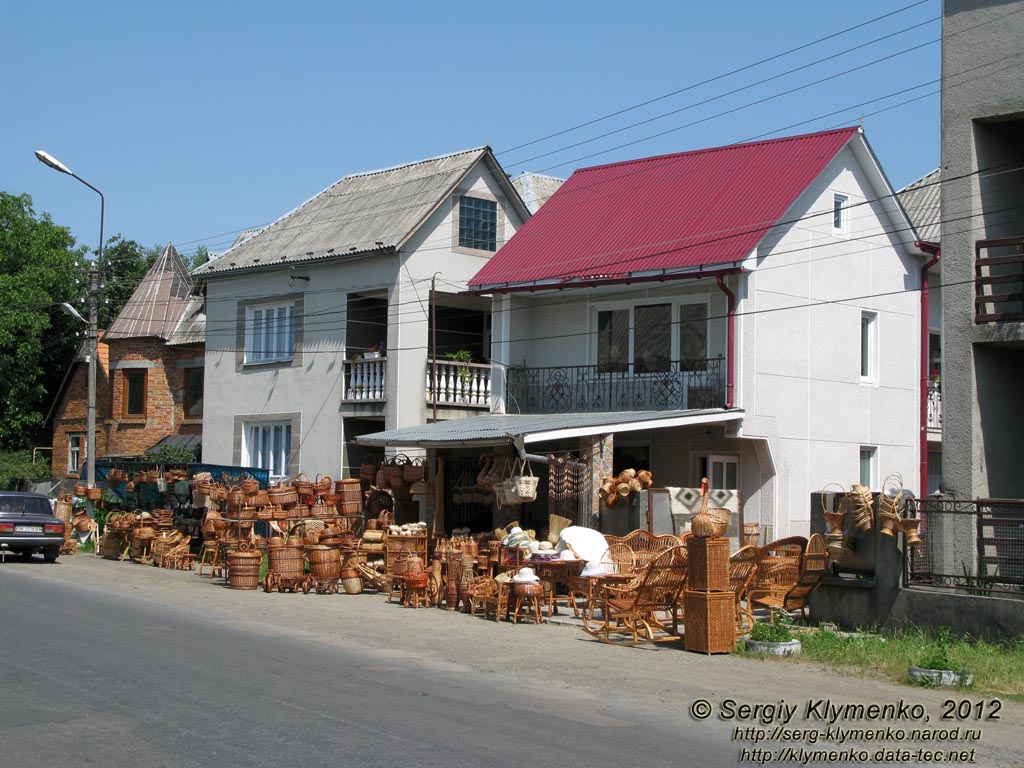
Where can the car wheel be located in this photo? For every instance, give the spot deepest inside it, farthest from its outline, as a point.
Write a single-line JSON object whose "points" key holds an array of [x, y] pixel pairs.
{"points": [[50, 554]]}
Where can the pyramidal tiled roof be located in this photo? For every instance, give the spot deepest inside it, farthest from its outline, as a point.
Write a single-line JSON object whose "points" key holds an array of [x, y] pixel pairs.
{"points": [[158, 303]]}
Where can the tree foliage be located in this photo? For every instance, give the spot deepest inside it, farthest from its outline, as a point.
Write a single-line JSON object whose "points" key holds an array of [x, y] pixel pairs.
{"points": [[39, 269], [17, 470]]}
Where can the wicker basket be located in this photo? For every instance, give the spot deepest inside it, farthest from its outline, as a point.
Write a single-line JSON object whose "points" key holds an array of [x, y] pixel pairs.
{"points": [[863, 507], [710, 621], [710, 522], [302, 484], [282, 496], [368, 469], [323, 484], [324, 563], [250, 486], [351, 497], [287, 562], [244, 567]]}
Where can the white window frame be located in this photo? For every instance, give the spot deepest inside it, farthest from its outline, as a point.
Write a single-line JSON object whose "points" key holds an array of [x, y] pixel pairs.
{"points": [[840, 209], [725, 460], [870, 453], [266, 344], [868, 344], [267, 445], [631, 306], [76, 452]]}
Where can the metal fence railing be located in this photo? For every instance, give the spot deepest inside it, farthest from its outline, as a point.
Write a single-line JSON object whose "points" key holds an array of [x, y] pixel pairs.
{"points": [[969, 546]]}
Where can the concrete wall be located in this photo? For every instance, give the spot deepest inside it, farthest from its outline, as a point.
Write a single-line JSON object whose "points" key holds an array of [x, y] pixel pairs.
{"points": [[978, 120]]}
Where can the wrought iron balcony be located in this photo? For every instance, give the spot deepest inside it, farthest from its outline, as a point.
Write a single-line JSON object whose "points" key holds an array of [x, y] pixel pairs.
{"points": [[462, 385], [934, 408], [590, 389]]}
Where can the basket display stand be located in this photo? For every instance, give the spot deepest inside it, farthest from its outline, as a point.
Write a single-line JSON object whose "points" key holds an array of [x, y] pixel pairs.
{"points": [[709, 605]]}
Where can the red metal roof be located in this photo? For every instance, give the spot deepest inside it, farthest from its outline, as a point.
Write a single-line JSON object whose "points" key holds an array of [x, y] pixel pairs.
{"points": [[701, 208]]}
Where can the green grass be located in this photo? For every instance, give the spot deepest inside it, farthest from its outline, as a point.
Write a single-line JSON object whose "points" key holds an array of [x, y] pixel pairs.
{"points": [[998, 668]]}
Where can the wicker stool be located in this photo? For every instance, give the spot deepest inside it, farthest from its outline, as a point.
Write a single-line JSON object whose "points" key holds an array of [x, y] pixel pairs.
{"points": [[529, 595], [416, 590]]}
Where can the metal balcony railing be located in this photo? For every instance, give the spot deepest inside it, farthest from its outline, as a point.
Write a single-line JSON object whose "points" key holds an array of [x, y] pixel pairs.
{"points": [[590, 389], [934, 421]]}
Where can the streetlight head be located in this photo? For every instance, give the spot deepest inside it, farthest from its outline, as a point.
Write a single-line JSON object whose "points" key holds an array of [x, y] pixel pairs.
{"points": [[53, 162], [73, 312]]}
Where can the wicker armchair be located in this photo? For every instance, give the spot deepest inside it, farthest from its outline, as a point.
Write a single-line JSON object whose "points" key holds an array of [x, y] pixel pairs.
{"points": [[644, 610], [645, 545], [742, 571], [496, 601], [793, 595]]}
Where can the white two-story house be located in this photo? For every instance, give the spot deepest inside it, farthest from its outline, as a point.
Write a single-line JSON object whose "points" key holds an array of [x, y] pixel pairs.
{"points": [[319, 326], [749, 313]]}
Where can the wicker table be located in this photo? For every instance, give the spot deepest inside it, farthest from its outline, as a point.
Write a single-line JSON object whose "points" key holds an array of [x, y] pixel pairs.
{"points": [[552, 573]]}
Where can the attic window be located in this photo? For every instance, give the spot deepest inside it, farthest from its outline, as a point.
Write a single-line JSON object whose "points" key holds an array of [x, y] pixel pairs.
{"points": [[478, 223], [840, 214]]}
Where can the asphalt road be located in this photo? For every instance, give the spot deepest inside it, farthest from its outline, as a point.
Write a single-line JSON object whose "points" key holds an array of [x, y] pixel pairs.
{"points": [[89, 677], [118, 664]]}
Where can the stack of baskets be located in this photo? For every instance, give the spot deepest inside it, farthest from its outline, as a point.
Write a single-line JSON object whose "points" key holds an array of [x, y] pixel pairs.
{"points": [[244, 567], [708, 602]]}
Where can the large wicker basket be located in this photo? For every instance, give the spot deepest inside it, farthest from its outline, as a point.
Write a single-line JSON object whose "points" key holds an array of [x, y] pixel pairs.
{"points": [[710, 621], [708, 563]]}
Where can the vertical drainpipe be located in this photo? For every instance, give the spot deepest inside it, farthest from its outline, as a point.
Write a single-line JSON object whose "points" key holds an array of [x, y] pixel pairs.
{"points": [[935, 252], [730, 352]]}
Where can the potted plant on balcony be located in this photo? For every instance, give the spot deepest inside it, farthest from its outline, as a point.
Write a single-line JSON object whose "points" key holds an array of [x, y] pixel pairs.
{"points": [[462, 356], [373, 352]]}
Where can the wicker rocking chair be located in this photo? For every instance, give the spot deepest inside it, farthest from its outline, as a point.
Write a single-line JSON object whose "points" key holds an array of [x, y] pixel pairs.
{"points": [[646, 609]]}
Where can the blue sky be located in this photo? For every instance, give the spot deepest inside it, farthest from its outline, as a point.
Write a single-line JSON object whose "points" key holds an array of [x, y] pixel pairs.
{"points": [[201, 119]]}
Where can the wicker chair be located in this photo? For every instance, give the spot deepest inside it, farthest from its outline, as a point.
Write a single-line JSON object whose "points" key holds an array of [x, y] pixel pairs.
{"points": [[644, 610], [645, 545], [496, 601], [779, 563], [793, 596], [619, 559], [742, 571]]}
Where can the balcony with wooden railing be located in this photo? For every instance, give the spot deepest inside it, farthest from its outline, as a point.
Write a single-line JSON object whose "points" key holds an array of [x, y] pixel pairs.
{"points": [[459, 384], [591, 389], [999, 280]]}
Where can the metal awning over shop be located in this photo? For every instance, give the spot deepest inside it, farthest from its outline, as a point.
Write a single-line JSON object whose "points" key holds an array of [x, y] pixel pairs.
{"points": [[522, 429], [189, 442]]}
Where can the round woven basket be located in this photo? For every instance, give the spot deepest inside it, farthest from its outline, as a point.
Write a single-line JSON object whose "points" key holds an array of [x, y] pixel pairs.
{"points": [[287, 562], [324, 563], [244, 568]]}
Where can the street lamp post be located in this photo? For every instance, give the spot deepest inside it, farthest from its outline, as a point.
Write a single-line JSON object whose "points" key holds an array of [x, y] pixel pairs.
{"points": [[94, 287]]}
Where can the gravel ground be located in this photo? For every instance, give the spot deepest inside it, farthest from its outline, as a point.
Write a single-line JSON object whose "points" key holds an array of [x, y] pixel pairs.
{"points": [[550, 655]]}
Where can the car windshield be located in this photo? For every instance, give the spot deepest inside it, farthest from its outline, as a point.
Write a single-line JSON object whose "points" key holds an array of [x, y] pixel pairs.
{"points": [[24, 504]]}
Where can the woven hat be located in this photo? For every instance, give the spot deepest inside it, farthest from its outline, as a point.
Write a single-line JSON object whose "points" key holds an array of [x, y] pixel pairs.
{"points": [[526, 575], [567, 554], [593, 568]]}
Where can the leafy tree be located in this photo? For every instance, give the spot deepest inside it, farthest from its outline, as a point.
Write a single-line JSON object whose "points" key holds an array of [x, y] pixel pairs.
{"points": [[39, 269], [125, 263], [17, 470]]}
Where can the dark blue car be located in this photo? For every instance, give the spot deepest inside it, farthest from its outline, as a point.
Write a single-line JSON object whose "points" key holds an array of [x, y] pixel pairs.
{"points": [[28, 525]]}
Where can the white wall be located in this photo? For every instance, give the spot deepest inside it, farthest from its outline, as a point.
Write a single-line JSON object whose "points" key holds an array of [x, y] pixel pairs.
{"points": [[801, 387]]}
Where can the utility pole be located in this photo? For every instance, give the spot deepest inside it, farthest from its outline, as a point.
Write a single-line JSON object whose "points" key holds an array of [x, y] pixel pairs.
{"points": [[92, 344], [433, 339]]}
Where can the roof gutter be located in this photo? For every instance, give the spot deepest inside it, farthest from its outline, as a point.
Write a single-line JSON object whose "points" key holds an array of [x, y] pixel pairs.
{"points": [[935, 251], [730, 351], [660, 277]]}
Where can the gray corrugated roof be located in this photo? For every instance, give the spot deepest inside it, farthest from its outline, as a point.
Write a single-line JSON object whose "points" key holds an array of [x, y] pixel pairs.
{"points": [[362, 213], [536, 189], [158, 302], [922, 202], [494, 429], [191, 328]]}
